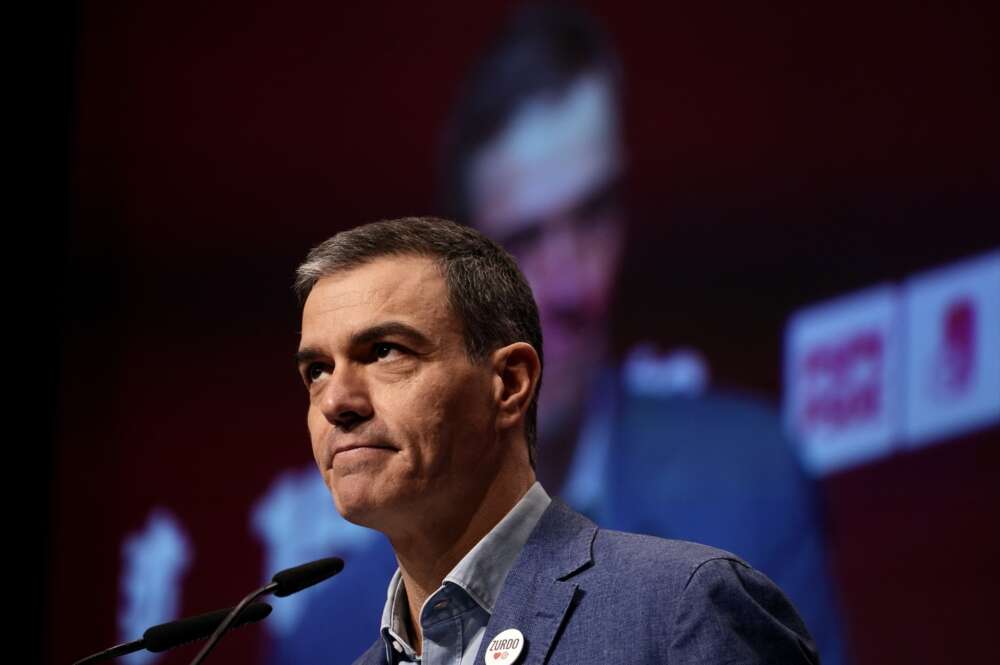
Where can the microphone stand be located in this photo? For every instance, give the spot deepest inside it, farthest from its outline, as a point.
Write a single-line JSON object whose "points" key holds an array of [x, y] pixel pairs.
{"points": [[164, 636], [284, 583], [225, 623]]}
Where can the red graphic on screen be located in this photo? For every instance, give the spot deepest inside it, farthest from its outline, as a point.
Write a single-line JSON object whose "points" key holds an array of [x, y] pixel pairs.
{"points": [[955, 359], [842, 382]]}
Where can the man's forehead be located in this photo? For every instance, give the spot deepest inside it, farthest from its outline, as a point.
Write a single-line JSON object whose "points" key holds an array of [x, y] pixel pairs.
{"points": [[407, 287], [324, 300]]}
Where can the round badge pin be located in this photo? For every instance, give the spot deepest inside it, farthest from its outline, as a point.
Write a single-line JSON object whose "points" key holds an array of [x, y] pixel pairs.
{"points": [[505, 648]]}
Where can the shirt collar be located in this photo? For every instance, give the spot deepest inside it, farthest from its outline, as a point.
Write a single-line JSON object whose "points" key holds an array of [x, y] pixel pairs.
{"points": [[394, 632], [481, 572]]}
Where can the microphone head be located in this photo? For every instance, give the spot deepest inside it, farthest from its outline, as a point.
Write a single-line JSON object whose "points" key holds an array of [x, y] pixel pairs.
{"points": [[174, 633], [295, 579]]}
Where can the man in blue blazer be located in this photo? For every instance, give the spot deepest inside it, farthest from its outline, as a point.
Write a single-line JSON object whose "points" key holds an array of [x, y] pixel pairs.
{"points": [[580, 594], [421, 353]]}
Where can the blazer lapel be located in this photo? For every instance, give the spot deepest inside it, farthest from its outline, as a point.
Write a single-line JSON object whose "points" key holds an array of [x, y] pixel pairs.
{"points": [[537, 595]]}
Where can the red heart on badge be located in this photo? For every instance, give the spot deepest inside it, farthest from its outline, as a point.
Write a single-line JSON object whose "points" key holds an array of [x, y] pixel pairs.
{"points": [[496, 654]]}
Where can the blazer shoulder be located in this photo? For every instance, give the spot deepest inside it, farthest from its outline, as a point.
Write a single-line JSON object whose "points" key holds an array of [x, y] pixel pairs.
{"points": [[567, 544], [648, 558], [718, 608]]}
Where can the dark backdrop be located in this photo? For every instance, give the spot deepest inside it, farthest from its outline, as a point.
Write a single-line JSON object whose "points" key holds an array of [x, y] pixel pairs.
{"points": [[780, 155]]}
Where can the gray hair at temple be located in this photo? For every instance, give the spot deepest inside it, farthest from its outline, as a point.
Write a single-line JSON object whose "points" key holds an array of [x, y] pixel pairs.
{"points": [[486, 289]]}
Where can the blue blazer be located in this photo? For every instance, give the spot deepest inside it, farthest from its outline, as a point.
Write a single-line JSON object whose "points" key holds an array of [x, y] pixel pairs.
{"points": [[583, 595]]}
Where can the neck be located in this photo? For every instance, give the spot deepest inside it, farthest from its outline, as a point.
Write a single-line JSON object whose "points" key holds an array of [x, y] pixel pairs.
{"points": [[430, 550]]}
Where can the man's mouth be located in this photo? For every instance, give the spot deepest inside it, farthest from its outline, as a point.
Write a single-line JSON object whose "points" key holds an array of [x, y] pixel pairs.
{"points": [[355, 449]]}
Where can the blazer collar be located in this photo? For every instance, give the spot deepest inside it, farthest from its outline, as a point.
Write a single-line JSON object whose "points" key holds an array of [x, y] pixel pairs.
{"points": [[561, 544], [538, 592]]}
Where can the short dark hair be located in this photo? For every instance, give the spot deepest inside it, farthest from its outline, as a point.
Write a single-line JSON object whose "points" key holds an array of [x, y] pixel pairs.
{"points": [[486, 289], [543, 49]]}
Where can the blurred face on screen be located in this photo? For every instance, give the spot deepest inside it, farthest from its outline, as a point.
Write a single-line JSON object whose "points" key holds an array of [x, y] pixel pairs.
{"points": [[547, 189], [401, 420]]}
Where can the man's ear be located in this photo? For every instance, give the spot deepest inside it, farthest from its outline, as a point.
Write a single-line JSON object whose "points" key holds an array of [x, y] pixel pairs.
{"points": [[517, 371]]}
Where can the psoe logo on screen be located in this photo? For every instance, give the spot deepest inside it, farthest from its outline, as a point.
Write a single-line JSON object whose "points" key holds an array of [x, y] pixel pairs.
{"points": [[952, 374], [952, 327], [841, 366], [842, 382]]}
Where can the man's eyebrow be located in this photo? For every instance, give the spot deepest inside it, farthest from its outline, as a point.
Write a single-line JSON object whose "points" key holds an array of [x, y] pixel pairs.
{"points": [[308, 354], [389, 329]]}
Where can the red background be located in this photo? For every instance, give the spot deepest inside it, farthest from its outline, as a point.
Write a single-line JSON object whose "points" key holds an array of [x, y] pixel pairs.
{"points": [[779, 155]]}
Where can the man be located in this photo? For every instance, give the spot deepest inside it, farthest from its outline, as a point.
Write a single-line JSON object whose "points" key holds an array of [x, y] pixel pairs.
{"points": [[421, 354]]}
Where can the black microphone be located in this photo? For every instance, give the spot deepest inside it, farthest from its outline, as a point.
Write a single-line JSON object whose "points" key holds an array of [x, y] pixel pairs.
{"points": [[284, 583], [174, 633], [169, 635], [298, 578]]}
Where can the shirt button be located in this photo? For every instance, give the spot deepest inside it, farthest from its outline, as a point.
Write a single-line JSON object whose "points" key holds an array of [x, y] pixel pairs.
{"points": [[396, 645]]}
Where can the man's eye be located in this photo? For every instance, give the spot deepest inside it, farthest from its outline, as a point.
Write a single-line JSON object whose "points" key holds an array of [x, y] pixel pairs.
{"points": [[383, 350], [315, 371]]}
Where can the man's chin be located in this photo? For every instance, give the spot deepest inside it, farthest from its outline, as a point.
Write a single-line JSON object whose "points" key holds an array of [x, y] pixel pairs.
{"points": [[355, 499]]}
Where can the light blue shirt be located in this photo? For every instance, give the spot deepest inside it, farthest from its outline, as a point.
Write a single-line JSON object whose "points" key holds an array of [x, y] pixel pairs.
{"points": [[454, 617]]}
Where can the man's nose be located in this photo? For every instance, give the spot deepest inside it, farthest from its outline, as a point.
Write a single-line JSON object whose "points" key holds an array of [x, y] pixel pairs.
{"points": [[345, 401]]}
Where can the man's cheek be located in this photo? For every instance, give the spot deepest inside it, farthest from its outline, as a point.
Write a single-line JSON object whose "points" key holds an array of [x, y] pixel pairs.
{"points": [[316, 437]]}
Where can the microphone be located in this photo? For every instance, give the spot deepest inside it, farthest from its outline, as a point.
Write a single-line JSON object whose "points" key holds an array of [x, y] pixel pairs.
{"points": [[300, 577], [284, 583], [168, 635]]}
